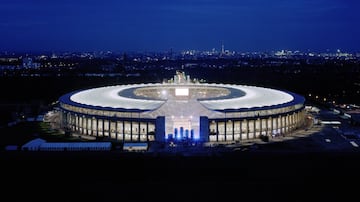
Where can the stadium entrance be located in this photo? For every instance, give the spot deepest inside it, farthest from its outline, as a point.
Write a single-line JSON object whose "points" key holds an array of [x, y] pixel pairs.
{"points": [[182, 128]]}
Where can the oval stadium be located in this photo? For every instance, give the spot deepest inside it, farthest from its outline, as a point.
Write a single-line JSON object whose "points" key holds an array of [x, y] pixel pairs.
{"points": [[181, 109]]}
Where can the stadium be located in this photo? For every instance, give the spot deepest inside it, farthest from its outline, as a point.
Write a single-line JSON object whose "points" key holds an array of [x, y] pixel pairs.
{"points": [[181, 109]]}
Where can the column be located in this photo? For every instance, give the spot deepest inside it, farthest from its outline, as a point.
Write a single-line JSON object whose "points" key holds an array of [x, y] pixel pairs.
{"points": [[247, 129], [131, 132], [87, 125], [240, 129], [81, 124], [302, 116], [103, 127], [139, 129], [71, 122], [116, 128], [293, 121], [147, 131], [78, 123], [123, 132], [217, 131], [281, 125], [74, 122], [277, 124], [260, 126], [297, 119], [271, 126], [254, 134], [233, 130], [225, 123], [160, 129], [204, 129], [97, 127], [285, 124], [68, 119], [289, 123], [92, 126], [109, 128], [267, 127]]}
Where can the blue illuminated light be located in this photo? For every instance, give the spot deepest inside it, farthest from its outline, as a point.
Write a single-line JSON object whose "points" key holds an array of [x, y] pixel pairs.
{"points": [[186, 133], [181, 131]]}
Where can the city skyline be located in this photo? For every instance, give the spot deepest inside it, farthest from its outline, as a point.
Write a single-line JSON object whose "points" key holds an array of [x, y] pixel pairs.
{"points": [[178, 25]]}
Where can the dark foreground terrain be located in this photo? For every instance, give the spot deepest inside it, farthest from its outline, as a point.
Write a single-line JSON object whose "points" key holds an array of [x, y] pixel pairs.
{"points": [[112, 176]]}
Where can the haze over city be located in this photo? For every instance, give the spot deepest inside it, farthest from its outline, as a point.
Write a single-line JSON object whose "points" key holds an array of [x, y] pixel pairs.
{"points": [[159, 25]]}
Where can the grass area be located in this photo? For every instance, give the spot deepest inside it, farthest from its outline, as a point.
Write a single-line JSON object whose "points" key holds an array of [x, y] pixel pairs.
{"points": [[26, 131]]}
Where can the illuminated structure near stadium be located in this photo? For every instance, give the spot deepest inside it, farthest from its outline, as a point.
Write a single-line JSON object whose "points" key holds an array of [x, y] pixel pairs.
{"points": [[181, 108]]}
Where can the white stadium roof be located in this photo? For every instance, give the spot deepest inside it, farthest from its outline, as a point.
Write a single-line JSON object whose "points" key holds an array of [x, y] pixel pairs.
{"points": [[110, 97], [254, 97]]}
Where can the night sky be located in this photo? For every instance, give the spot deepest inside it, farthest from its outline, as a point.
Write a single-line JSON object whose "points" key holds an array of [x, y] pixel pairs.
{"points": [[161, 25]]}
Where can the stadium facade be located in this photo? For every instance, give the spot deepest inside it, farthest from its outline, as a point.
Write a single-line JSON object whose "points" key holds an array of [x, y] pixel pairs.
{"points": [[181, 108]]}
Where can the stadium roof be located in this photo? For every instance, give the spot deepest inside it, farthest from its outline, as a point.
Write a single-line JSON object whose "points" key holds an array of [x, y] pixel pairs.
{"points": [[247, 97], [254, 97], [108, 98]]}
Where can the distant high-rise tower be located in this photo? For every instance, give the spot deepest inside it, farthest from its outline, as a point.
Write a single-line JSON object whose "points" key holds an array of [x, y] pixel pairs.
{"points": [[222, 47]]}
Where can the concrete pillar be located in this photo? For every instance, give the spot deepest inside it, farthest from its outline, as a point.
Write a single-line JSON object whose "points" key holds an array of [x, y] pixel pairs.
{"points": [[116, 129], [271, 125], [260, 132], [204, 128], [281, 125], [131, 131], [285, 124], [267, 126], [77, 124], [293, 120], [225, 134], [240, 129], [123, 130], [87, 125], [81, 123], [103, 127], [139, 129], [71, 122], [147, 131], [91, 126], [277, 124], [160, 128], [247, 129], [217, 131], [109, 128], [233, 130], [96, 128], [255, 122]]}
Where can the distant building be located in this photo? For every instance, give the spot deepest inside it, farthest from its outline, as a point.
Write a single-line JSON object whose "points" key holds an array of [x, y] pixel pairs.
{"points": [[29, 64]]}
